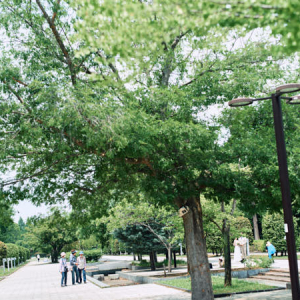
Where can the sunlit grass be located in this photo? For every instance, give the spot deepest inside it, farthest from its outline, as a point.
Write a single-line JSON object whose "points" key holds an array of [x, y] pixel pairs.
{"points": [[238, 285]]}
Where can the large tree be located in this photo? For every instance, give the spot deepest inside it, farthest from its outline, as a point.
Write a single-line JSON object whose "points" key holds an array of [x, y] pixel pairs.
{"points": [[51, 233], [115, 103]]}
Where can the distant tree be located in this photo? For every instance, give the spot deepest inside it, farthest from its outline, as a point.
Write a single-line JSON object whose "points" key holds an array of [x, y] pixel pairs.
{"points": [[164, 224], [22, 225], [12, 233], [52, 233], [140, 240]]}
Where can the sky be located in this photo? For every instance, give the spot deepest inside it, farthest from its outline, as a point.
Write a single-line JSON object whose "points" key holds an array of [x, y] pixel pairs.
{"points": [[26, 209]]}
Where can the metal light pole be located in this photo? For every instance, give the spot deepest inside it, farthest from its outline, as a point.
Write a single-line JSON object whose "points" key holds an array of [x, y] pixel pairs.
{"points": [[283, 173]]}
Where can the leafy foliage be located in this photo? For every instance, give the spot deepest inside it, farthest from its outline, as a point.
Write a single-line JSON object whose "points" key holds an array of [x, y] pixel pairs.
{"points": [[273, 230], [3, 250], [52, 233]]}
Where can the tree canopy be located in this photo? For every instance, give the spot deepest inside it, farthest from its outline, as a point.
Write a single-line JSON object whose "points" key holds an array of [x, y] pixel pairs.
{"points": [[100, 99]]}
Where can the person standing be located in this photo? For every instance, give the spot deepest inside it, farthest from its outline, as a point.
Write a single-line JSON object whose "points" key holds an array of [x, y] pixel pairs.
{"points": [[243, 245], [81, 260], [63, 269], [270, 249], [73, 263], [38, 258], [237, 256]]}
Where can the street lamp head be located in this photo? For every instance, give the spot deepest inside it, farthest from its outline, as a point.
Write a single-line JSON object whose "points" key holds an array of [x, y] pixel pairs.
{"points": [[240, 102], [288, 88], [294, 100]]}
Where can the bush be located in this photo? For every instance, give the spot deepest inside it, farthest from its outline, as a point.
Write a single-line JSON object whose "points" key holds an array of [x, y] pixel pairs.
{"points": [[259, 245], [23, 253], [273, 230], [264, 262], [3, 251], [12, 250], [90, 255]]}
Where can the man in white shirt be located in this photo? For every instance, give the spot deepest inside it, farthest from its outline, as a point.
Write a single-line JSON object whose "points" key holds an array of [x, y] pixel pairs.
{"points": [[243, 244]]}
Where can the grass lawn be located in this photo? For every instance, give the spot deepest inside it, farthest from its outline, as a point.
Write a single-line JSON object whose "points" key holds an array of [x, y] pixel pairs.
{"points": [[275, 257], [238, 285]]}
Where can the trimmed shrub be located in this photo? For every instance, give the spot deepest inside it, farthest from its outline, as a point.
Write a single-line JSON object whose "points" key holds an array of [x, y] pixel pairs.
{"points": [[92, 255], [23, 254], [273, 230], [27, 253], [259, 245], [12, 250], [3, 251]]}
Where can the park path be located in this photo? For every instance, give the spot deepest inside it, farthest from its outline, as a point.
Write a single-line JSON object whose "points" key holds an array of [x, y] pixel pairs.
{"points": [[38, 281]]}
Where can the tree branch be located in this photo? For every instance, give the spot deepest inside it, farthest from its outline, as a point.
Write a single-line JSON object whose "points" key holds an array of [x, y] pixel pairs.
{"points": [[59, 41], [55, 12]]}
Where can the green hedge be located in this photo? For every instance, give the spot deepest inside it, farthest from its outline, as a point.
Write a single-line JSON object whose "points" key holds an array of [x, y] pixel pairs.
{"points": [[259, 245], [12, 250], [3, 251], [90, 255], [23, 252]]}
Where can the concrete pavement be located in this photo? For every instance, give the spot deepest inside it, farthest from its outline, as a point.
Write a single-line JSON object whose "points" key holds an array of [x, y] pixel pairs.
{"points": [[38, 281], [42, 282]]}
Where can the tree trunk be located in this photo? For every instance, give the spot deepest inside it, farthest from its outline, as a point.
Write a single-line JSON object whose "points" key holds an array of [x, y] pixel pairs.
{"points": [[54, 256], [174, 255], [167, 255], [134, 258], [255, 227], [152, 261], [155, 257], [196, 252], [170, 259], [227, 258]]}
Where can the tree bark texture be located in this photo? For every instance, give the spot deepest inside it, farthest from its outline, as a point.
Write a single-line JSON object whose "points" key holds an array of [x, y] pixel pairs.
{"points": [[227, 258], [196, 252], [174, 258], [152, 261], [170, 259], [255, 227], [54, 256]]}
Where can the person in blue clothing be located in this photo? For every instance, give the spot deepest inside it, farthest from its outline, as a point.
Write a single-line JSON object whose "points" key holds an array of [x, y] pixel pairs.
{"points": [[270, 249], [74, 264]]}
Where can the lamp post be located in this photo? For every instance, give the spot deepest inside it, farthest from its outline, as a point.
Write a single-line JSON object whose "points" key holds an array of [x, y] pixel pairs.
{"points": [[283, 172]]}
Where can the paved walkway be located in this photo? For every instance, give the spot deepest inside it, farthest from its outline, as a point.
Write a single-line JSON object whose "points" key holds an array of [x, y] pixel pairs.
{"points": [[42, 282], [282, 295]]}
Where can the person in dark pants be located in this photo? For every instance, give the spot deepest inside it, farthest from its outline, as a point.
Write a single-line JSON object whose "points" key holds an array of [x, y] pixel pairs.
{"points": [[63, 269], [81, 267], [73, 263]]}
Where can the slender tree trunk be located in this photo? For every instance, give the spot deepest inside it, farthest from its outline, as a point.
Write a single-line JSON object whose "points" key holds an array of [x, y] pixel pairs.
{"points": [[134, 258], [227, 258], [174, 255], [155, 257], [170, 259], [152, 261], [167, 255], [196, 252], [255, 227]]}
